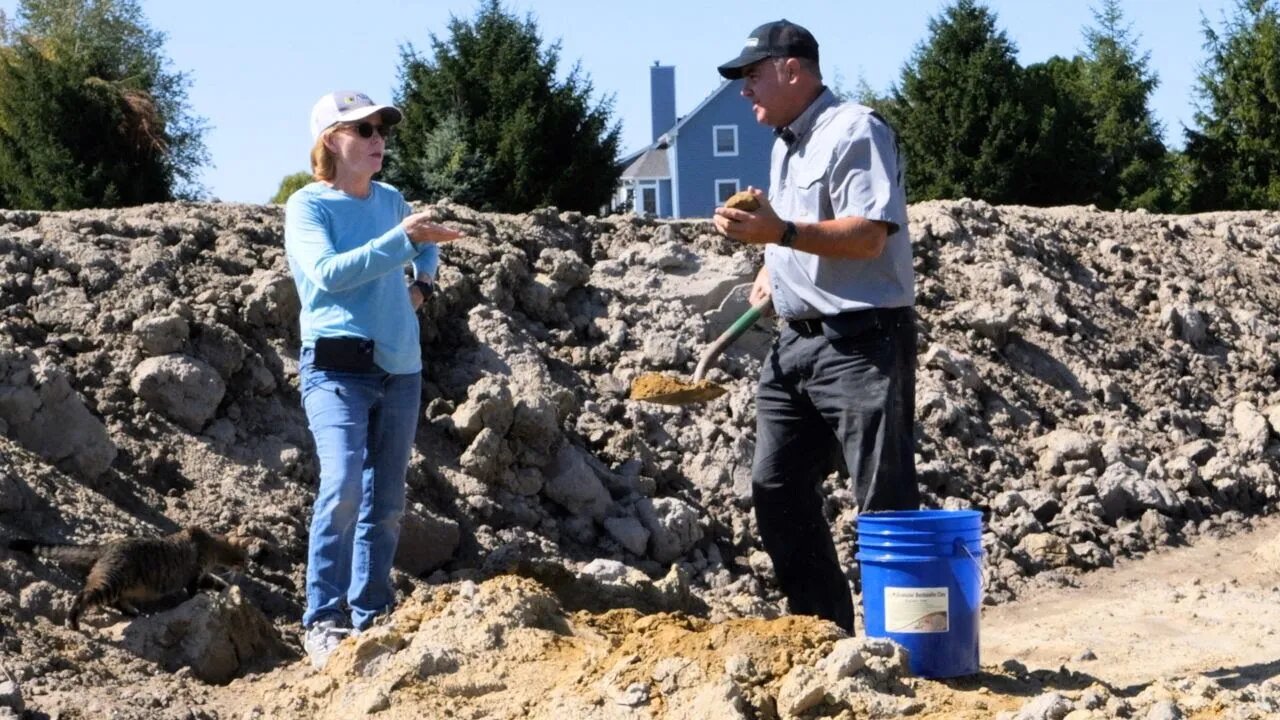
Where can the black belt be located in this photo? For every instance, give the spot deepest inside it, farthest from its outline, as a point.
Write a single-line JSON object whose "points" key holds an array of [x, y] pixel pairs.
{"points": [[812, 326], [848, 324]]}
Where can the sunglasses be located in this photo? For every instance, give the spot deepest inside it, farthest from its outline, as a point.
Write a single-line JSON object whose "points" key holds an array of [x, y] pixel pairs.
{"points": [[367, 129]]}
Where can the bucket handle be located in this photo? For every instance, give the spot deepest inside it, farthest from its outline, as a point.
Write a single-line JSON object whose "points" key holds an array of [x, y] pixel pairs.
{"points": [[982, 579]]}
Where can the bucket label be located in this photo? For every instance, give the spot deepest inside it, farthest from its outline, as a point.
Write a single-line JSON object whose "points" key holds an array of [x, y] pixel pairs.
{"points": [[916, 610]]}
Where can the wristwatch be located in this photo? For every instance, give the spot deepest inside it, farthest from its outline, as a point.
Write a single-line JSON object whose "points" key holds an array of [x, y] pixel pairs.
{"points": [[788, 235]]}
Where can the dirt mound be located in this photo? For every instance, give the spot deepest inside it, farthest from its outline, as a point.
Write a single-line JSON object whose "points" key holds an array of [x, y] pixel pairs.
{"points": [[1099, 384]]}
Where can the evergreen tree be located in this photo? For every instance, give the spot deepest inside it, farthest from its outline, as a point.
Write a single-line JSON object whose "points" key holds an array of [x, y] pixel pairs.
{"points": [[447, 166], [1131, 159], [1061, 161], [521, 138], [959, 110], [1233, 155], [291, 184], [89, 115]]}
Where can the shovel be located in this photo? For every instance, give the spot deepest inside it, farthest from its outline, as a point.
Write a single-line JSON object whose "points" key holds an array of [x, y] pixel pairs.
{"points": [[668, 390]]}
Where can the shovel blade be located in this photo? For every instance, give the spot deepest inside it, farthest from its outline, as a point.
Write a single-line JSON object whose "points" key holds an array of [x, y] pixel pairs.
{"points": [[667, 390]]}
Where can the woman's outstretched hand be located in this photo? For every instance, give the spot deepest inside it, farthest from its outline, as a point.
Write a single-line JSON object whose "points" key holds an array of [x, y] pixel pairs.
{"points": [[421, 229]]}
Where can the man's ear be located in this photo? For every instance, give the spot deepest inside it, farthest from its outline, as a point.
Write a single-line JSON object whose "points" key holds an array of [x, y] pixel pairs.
{"points": [[793, 69]]}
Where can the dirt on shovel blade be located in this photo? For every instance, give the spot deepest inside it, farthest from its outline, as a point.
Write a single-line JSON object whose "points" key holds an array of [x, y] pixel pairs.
{"points": [[657, 388]]}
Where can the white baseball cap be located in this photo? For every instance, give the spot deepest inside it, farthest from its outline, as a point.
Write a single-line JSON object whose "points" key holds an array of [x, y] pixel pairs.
{"points": [[348, 106]]}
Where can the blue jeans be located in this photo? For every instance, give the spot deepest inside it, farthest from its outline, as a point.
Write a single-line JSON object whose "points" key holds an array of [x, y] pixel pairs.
{"points": [[364, 425]]}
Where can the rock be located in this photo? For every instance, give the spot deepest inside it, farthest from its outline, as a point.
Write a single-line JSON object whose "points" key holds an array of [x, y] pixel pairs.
{"points": [[272, 301], [1050, 706], [219, 636], [1045, 549], [673, 526], [1164, 710], [220, 347], [575, 486], [563, 266], [673, 256], [844, 660], [955, 364], [49, 417], [489, 405], [162, 334], [802, 689], [987, 320], [1252, 428], [1185, 323], [1198, 451], [1273, 418], [662, 350], [427, 541], [10, 692], [607, 570], [182, 388], [487, 457], [1063, 446], [629, 532], [721, 700]]}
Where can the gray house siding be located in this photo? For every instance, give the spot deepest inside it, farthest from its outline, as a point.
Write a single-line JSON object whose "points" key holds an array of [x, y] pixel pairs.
{"points": [[697, 165]]}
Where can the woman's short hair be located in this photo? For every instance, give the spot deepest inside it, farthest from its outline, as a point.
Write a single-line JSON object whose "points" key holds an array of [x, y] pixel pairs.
{"points": [[324, 164]]}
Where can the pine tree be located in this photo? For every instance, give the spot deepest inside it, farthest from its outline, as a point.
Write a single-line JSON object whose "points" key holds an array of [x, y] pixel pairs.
{"points": [[447, 166], [1117, 85], [89, 115], [520, 138], [959, 110], [1061, 160], [1233, 156]]}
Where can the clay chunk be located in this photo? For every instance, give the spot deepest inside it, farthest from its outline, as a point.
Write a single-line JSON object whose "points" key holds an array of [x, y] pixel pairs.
{"points": [[742, 200]]}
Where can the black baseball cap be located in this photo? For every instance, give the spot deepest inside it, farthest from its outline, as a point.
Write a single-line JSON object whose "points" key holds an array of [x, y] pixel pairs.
{"points": [[781, 38]]}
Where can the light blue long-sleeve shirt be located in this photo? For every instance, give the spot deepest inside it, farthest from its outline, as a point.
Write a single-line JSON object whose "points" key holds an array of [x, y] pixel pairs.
{"points": [[347, 256]]}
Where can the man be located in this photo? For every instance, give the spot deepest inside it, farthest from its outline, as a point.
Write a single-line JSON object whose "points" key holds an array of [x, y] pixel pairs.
{"points": [[838, 267]]}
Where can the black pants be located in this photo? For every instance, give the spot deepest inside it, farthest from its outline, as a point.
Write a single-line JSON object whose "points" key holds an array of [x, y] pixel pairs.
{"points": [[852, 379]]}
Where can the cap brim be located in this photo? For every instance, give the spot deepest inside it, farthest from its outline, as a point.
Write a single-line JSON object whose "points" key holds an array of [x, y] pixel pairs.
{"points": [[732, 70], [390, 115]]}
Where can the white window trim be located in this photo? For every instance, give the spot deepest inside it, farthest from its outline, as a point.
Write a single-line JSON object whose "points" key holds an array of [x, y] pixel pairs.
{"points": [[737, 185], [641, 186], [715, 146]]}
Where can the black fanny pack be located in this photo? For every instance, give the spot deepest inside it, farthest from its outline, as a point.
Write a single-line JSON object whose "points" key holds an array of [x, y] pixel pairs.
{"points": [[345, 354]]}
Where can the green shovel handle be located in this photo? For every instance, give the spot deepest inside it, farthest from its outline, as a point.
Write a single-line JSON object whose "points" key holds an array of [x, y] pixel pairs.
{"points": [[739, 326]]}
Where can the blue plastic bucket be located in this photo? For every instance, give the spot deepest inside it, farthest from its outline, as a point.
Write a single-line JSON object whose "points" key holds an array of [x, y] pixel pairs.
{"points": [[922, 585]]}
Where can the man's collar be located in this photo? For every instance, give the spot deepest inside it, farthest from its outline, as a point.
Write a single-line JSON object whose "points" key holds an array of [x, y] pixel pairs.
{"points": [[803, 123]]}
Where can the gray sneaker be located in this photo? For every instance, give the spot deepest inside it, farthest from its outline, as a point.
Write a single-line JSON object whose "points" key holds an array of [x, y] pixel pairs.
{"points": [[322, 639]]}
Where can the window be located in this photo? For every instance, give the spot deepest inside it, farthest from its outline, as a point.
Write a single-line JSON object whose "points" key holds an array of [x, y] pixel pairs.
{"points": [[724, 140], [648, 205], [725, 188]]}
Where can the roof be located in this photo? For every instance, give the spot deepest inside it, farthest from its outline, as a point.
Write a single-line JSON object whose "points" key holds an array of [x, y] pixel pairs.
{"points": [[652, 163]]}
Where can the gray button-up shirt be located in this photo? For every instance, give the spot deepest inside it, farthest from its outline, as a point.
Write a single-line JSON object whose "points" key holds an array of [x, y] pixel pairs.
{"points": [[842, 162]]}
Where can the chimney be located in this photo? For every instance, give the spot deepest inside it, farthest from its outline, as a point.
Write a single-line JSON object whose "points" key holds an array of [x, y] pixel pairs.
{"points": [[662, 94]]}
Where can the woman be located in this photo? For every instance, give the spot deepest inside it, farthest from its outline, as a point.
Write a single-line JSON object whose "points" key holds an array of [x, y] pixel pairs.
{"points": [[348, 240]]}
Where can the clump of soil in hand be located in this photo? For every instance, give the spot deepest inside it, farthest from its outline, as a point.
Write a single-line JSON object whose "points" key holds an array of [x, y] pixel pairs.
{"points": [[743, 200]]}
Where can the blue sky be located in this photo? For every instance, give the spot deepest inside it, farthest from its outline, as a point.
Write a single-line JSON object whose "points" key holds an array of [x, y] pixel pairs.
{"points": [[257, 67]]}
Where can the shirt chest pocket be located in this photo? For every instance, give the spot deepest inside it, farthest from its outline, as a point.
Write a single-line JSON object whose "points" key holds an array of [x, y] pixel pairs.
{"points": [[811, 195]]}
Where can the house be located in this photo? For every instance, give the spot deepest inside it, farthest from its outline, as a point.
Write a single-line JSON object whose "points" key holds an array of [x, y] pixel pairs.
{"points": [[697, 161]]}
